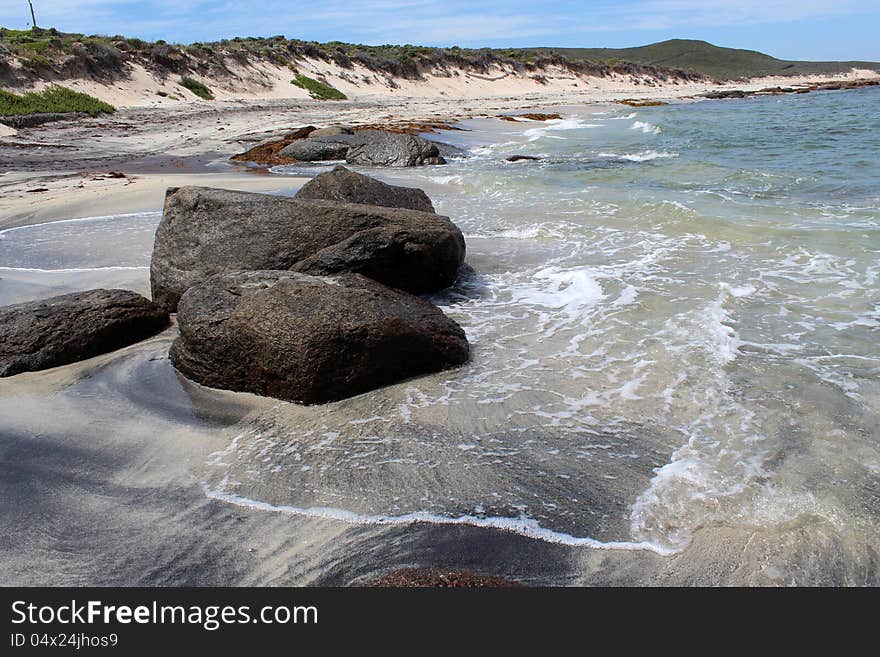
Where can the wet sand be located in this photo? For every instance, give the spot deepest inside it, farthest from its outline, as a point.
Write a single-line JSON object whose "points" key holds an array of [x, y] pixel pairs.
{"points": [[93, 497]]}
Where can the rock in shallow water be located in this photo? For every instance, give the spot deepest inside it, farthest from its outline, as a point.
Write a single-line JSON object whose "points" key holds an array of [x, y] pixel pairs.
{"points": [[41, 334], [347, 186], [309, 339], [390, 149], [210, 231], [319, 149]]}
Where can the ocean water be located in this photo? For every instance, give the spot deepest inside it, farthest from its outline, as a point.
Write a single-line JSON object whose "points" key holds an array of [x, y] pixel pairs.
{"points": [[674, 319]]}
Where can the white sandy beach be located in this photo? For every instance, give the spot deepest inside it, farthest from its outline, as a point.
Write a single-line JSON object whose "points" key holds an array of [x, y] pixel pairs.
{"points": [[159, 142]]}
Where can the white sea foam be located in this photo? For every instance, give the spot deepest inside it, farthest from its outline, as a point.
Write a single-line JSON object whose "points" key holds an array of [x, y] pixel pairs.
{"points": [[555, 125], [643, 156], [523, 526], [647, 128], [557, 288], [114, 217], [71, 270]]}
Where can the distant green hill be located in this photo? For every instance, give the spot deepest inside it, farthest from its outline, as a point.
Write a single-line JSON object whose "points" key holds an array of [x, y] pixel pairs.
{"points": [[702, 57]]}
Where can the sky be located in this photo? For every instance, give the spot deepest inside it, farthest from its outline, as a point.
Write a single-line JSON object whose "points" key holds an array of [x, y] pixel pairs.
{"points": [[788, 29]]}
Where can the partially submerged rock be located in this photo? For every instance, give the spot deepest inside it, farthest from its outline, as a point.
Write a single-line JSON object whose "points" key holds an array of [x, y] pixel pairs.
{"points": [[390, 149], [319, 149], [307, 339], [208, 231], [523, 158], [448, 151], [396, 146], [347, 186], [41, 334]]}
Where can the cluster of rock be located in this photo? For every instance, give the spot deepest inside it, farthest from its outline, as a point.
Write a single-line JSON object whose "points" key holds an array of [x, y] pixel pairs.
{"points": [[307, 299], [341, 221], [364, 147]]}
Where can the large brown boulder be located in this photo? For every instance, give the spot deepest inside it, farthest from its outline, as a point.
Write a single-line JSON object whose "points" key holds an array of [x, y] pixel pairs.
{"points": [[208, 231], [308, 339], [347, 186], [41, 334]]}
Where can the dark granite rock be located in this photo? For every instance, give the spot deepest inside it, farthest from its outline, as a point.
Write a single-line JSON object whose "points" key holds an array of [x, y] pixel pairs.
{"points": [[347, 186], [308, 339], [41, 334]]}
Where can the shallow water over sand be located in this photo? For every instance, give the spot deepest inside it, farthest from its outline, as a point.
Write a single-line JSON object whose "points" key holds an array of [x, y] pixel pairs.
{"points": [[673, 318]]}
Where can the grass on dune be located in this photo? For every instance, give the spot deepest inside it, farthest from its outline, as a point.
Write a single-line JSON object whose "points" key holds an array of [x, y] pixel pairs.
{"points": [[316, 89], [51, 99], [200, 89]]}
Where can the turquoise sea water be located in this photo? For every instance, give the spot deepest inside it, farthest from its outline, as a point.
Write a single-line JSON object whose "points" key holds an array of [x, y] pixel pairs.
{"points": [[674, 318]]}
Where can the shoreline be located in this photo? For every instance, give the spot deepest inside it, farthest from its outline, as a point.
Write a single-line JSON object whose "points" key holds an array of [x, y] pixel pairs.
{"points": [[65, 170], [82, 195]]}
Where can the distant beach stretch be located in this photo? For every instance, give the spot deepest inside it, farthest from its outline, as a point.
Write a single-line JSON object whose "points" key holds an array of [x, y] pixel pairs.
{"points": [[312, 319]]}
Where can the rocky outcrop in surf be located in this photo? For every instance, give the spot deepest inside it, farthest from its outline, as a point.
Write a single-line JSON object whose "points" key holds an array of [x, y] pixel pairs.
{"points": [[309, 339], [331, 143], [364, 147], [391, 149], [319, 149], [208, 231], [61, 330]]}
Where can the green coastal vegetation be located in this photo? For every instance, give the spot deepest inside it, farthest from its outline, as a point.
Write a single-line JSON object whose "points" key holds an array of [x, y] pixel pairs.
{"points": [[316, 89], [49, 54], [200, 89], [52, 99], [28, 55]]}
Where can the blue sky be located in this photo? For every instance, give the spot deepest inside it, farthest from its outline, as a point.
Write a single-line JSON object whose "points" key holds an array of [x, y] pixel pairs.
{"points": [[790, 29]]}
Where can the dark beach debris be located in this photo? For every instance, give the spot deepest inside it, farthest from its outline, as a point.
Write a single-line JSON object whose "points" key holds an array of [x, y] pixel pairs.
{"points": [[632, 102], [439, 578], [410, 128], [37, 145], [529, 117], [267, 153]]}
